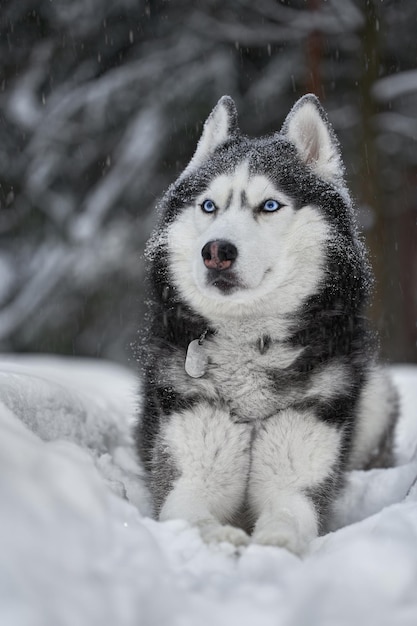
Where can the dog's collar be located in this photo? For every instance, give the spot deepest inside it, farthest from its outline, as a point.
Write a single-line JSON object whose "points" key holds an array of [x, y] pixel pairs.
{"points": [[196, 359]]}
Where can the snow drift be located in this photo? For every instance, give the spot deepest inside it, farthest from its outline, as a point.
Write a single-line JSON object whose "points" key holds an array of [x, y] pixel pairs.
{"points": [[78, 547]]}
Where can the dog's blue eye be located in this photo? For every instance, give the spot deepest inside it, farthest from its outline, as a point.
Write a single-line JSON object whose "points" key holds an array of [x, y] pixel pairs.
{"points": [[208, 206], [271, 205]]}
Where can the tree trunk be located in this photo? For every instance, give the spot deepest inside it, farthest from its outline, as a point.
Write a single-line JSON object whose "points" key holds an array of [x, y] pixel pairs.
{"points": [[314, 51]]}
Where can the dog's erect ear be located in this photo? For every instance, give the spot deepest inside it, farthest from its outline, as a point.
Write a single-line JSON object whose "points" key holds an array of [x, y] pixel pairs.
{"points": [[308, 128], [219, 127]]}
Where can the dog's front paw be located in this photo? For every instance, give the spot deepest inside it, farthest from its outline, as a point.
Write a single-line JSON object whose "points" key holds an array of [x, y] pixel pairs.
{"points": [[217, 533], [282, 537]]}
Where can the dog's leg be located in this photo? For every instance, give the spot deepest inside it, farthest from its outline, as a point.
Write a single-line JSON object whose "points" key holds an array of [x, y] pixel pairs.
{"points": [[378, 410], [293, 456], [210, 457]]}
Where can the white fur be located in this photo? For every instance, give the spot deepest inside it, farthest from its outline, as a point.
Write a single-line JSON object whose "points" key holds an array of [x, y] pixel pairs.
{"points": [[330, 381], [282, 458], [280, 255], [212, 455], [374, 413], [287, 521], [291, 453], [213, 532], [315, 146], [237, 367]]}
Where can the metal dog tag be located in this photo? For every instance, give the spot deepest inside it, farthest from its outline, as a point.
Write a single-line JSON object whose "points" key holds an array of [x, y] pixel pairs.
{"points": [[196, 359]]}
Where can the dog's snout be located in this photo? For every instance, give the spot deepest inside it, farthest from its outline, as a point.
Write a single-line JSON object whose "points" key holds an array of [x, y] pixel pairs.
{"points": [[219, 255]]}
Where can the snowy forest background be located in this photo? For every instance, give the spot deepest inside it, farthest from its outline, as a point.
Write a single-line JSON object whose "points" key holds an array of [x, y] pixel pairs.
{"points": [[102, 102]]}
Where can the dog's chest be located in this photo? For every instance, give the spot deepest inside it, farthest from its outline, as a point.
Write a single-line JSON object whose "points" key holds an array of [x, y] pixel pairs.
{"points": [[244, 374]]}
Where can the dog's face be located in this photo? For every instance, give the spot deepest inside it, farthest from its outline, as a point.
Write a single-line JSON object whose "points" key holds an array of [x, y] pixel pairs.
{"points": [[243, 246], [241, 222]]}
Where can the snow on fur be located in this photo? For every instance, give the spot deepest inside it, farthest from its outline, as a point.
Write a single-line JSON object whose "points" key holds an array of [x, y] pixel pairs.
{"points": [[77, 547]]}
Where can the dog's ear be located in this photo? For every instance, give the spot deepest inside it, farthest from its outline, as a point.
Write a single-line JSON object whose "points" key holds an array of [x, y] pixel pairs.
{"points": [[308, 128], [220, 126]]}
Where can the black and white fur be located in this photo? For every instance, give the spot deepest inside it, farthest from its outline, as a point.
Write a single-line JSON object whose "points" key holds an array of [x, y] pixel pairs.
{"points": [[289, 395]]}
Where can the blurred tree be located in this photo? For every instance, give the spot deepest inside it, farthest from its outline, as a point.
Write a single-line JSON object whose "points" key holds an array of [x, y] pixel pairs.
{"points": [[101, 104]]}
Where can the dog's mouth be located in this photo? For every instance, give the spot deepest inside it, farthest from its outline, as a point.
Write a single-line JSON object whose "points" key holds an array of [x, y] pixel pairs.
{"points": [[226, 281]]}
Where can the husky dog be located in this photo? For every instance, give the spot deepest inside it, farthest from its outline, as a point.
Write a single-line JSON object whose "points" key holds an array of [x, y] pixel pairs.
{"points": [[261, 386]]}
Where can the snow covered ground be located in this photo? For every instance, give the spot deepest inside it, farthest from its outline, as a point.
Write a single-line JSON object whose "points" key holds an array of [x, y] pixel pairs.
{"points": [[77, 547]]}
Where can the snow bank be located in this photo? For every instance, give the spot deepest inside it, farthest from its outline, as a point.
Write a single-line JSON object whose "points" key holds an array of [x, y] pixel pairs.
{"points": [[77, 547]]}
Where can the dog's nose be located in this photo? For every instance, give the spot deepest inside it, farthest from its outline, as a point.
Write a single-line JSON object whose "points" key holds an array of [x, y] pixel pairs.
{"points": [[219, 255]]}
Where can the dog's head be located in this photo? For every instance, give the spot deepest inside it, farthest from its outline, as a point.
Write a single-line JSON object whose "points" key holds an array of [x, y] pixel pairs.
{"points": [[245, 223]]}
